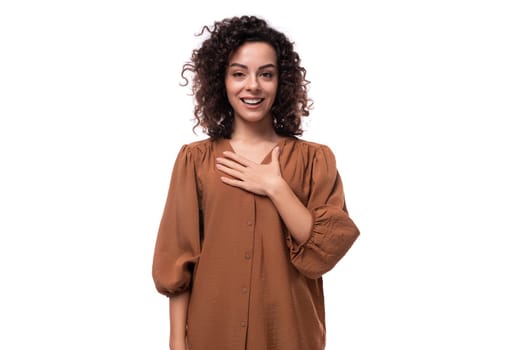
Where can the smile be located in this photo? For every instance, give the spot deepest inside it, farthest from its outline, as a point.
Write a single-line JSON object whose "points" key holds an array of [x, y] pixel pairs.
{"points": [[252, 101]]}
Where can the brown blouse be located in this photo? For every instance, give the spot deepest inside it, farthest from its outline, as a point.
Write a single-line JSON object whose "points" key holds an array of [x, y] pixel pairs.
{"points": [[252, 287]]}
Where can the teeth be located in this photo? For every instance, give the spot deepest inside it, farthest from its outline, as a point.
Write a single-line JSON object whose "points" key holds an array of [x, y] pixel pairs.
{"points": [[252, 101]]}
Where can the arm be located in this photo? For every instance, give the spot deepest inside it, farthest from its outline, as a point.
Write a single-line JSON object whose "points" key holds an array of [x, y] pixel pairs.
{"points": [[177, 249], [333, 231], [320, 233], [294, 214], [178, 316]]}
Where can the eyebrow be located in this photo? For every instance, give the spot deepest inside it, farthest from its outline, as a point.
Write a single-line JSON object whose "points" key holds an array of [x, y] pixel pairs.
{"points": [[269, 65]]}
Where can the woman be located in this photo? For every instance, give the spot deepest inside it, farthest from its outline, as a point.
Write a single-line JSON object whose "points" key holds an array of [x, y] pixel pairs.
{"points": [[254, 216]]}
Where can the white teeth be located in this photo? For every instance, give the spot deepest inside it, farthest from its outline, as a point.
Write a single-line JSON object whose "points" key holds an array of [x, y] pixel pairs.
{"points": [[252, 101]]}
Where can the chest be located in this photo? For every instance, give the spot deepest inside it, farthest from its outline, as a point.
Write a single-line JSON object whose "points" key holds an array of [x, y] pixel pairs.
{"points": [[255, 153], [214, 193]]}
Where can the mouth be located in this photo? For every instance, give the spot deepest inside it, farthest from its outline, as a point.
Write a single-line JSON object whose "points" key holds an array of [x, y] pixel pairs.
{"points": [[252, 101]]}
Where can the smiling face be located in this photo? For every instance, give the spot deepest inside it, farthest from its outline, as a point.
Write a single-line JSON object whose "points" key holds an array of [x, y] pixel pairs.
{"points": [[251, 82]]}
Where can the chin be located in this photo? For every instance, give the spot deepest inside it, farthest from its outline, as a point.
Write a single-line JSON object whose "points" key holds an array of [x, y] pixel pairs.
{"points": [[253, 117]]}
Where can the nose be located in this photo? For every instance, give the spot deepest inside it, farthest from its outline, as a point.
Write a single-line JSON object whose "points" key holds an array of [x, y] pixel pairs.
{"points": [[253, 82]]}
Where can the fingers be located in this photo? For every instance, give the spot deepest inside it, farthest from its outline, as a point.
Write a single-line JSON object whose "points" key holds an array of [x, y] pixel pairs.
{"points": [[230, 171], [237, 158], [232, 182], [247, 186], [229, 163]]}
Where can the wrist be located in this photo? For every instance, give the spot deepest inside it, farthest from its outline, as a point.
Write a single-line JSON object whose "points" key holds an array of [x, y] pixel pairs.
{"points": [[278, 186]]}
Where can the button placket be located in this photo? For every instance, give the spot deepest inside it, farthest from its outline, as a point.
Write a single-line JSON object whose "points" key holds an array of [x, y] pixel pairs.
{"points": [[248, 226]]}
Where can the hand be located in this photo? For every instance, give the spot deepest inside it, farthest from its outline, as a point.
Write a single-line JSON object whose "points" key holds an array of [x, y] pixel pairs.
{"points": [[260, 179], [182, 345]]}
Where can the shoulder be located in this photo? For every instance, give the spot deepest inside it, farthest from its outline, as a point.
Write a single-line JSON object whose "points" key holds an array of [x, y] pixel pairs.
{"points": [[312, 149], [311, 145], [198, 148]]}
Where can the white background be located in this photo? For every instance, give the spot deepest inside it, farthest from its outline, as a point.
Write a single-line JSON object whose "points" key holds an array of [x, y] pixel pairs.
{"points": [[421, 102]]}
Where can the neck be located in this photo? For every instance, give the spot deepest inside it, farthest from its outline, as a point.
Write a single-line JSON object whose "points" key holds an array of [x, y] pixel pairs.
{"points": [[254, 132]]}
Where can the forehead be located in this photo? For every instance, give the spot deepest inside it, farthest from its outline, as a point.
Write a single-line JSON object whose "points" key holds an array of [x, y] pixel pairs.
{"points": [[254, 53]]}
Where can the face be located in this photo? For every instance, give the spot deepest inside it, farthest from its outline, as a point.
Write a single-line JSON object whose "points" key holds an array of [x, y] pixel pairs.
{"points": [[251, 82]]}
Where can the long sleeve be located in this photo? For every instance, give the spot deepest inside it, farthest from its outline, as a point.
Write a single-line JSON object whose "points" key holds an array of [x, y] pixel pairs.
{"points": [[333, 231], [177, 248]]}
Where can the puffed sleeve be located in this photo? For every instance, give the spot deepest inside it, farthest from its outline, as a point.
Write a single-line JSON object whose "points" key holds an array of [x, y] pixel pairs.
{"points": [[177, 248], [333, 231]]}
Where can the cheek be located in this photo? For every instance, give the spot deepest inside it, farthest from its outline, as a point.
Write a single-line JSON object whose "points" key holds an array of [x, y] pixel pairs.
{"points": [[273, 90], [231, 88], [229, 92], [231, 98]]}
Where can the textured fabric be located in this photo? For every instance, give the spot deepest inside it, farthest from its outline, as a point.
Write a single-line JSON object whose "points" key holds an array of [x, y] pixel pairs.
{"points": [[252, 286]]}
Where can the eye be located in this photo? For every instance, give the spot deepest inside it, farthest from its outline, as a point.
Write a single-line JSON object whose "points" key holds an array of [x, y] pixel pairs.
{"points": [[237, 74], [267, 75]]}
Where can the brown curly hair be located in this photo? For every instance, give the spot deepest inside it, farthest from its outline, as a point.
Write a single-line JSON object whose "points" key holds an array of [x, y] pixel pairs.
{"points": [[208, 65]]}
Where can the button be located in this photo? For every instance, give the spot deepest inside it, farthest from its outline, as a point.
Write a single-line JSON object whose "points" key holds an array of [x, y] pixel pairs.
{"points": [[245, 290], [247, 255], [243, 324]]}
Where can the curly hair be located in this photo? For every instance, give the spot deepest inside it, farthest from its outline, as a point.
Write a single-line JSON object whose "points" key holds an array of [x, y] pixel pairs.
{"points": [[212, 111]]}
